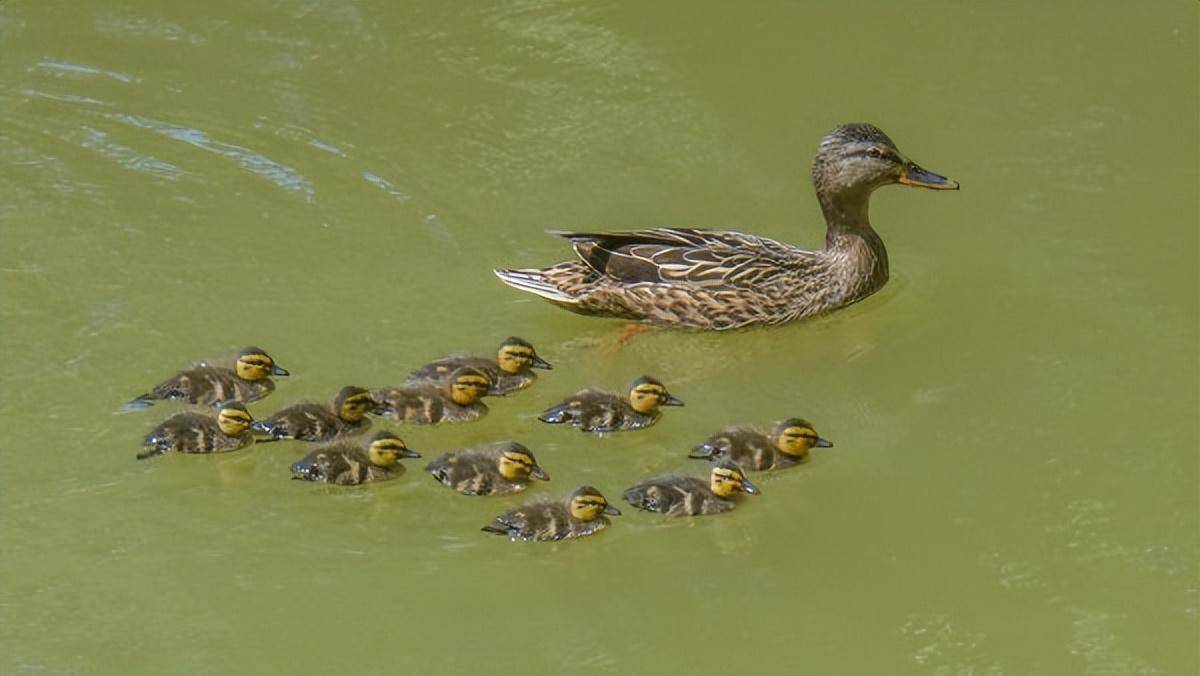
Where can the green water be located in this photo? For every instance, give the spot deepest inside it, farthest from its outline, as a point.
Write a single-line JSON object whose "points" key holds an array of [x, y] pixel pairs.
{"points": [[1014, 486]]}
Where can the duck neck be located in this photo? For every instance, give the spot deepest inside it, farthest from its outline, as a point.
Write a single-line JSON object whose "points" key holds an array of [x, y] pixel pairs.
{"points": [[855, 246]]}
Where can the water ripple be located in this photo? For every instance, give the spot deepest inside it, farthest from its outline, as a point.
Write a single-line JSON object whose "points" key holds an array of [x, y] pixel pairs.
{"points": [[283, 176], [80, 69]]}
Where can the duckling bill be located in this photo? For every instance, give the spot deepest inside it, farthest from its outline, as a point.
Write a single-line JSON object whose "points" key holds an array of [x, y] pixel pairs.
{"points": [[678, 495], [345, 463], [786, 445], [580, 515], [593, 410], [249, 380], [512, 370], [719, 279]]}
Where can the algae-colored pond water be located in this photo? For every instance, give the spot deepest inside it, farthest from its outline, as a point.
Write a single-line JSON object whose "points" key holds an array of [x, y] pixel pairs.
{"points": [[1014, 486]]}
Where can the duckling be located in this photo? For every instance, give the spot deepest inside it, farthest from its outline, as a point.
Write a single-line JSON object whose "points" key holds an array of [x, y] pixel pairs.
{"points": [[510, 371], [678, 495], [309, 421], [599, 411], [195, 432], [785, 446], [495, 469], [455, 400], [723, 279], [205, 384], [577, 516], [348, 464]]}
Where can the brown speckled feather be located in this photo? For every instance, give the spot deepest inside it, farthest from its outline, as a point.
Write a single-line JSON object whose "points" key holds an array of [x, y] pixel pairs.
{"points": [[677, 495], [502, 383], [750, 448], [545, 520], [475, 471], [594, 410], [208, 385], [193, 432], [310, 421], [425, 403], [347, 464]]}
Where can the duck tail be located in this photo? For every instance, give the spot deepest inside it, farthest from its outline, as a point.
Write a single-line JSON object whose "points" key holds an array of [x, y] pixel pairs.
{"points": [[535, 281]]}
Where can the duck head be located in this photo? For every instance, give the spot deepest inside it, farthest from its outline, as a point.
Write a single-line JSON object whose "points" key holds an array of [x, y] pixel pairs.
{"points": [[587, 504], [468, 385], [795, 436], [726, 478], [517, 355], [646, 395], [254, 363], [233, 418], [385, 449], [855, 159], [352, 403], [518, 464]]}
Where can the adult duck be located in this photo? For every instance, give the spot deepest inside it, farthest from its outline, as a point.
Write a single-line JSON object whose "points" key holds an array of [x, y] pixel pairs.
{"points": [[715, 279]]}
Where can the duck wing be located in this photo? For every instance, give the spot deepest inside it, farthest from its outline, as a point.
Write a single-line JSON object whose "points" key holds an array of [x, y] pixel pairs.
{"points": [[705, 258]]}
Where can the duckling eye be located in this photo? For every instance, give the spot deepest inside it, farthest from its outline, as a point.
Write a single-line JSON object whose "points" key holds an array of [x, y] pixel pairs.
{"points": [[875, 152]]}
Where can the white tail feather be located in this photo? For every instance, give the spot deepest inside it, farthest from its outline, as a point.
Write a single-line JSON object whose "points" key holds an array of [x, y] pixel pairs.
{"points": [[533, 282]]}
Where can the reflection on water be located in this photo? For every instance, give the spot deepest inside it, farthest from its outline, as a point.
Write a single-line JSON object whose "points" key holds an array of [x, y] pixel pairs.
{"points": [[335, 181]]}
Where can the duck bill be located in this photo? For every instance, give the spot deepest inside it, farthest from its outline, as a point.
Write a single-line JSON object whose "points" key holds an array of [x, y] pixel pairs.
{"points": [[277, 370], [409, 453], [915, 175], [539, 363], [538, 473], [823, 443], [609, 509], [673, 401], [703, 452], [748, 487], [262, 427]]}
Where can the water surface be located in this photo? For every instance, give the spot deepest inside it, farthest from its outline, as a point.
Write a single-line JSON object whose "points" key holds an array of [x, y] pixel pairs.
{"points": [[1014, 486]]}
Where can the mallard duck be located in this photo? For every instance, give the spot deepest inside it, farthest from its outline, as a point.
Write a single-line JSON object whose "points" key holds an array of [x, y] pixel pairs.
{"points": [[786, 445], [678, 495], [577, 516], [495, 469], [455, 400], [512, 370], [309, 421], [710, 279], [600, 411], [346, 463], [227, 429], [249, 380]]}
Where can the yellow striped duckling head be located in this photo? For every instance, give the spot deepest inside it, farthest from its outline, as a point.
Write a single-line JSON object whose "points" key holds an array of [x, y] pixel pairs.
{"points": [[587, 504], [352, 403], [233, 419], [795, 436], [647, 394], [468, 385], [518, 464], [386, 449], [726, 478], [516, 355], [859, 157], [254, 363]]}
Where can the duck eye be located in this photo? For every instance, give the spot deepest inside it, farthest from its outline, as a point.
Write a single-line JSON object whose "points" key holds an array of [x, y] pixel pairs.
{"points": [[875, 152]]}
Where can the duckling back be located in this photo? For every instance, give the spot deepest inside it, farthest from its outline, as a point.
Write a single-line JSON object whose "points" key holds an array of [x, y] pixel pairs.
{"points": [[192, 432], [594, 410], [309, 421], [543, 520], [424, 403], [342, 463], [677, 495]]}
